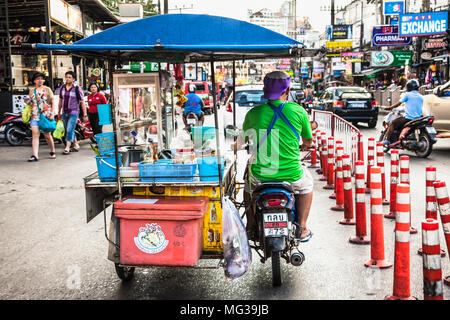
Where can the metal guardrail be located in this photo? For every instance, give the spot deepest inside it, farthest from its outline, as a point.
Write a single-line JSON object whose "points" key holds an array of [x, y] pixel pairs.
{"points": [[382, 96], [340, 129]]}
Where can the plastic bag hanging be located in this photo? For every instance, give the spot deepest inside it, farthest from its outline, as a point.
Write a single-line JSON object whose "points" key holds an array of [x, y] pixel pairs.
{"points": [[236, 249], [59, 131]]}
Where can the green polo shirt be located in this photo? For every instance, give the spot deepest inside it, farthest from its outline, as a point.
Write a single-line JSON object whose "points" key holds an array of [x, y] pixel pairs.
{"points": [[278, 158]]}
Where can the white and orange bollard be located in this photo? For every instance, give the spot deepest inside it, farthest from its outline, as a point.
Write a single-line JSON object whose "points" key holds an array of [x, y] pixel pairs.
{"points": [[319, 150], [402, 272], [330, 163], [430, 199], [370, 160], [348, 192], [432, 270], [360, 206], [444, 211], [313, 164], [324, 157], [360, 147], [395, 177], [337, 148], [405, 178], [377, 258], [339, 182], [380, 163]]}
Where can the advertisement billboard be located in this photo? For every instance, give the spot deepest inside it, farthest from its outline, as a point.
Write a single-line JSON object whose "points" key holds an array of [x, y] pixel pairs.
{"points": [[423, 24], [339, 32], [388, 36], [393, 7], [390, 58], [352, 57]]}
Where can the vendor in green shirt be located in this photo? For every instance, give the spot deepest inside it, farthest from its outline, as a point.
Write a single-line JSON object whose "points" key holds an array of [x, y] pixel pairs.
{"points": [[277, 157]]}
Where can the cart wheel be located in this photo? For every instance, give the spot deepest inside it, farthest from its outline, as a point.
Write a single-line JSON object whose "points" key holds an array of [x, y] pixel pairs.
{"points": [[124, 273]]}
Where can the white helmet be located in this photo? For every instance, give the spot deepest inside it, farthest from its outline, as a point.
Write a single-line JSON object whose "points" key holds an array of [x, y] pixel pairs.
{"points": [[191, 87]]}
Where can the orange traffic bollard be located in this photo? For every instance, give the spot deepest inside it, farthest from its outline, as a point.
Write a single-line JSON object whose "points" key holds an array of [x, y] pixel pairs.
{"points": [[348, 192], [402, 271], [395, 175], [405, 178], [337, 146], [380, 163], [324, 158], [432, 271], [370, 160], [377, 258], [314, 164], [339, 183], [330, 163], [360, 206], [444, 211], [319, 150], [430, 199], [360, 147]]}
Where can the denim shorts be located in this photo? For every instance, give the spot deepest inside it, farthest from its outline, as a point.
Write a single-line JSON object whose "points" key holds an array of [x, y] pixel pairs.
{"points": [[70, 122], [34, 123]]}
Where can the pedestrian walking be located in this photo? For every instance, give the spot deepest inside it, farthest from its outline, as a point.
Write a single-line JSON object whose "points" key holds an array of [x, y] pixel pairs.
{"points": [[41, 101], [95, 98], [70, 97]]}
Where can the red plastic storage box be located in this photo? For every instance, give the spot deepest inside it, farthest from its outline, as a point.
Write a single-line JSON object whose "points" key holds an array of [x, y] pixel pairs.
{"points": [[161, 230]]}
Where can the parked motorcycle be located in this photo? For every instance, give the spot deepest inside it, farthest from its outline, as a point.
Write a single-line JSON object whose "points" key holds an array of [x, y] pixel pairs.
{"points": [[417, 135], [276, 226], [14, 130], [192, 121]]}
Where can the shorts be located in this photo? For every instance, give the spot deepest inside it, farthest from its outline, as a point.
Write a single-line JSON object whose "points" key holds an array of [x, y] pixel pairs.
{"points": [[34, 123], [304, 185]]}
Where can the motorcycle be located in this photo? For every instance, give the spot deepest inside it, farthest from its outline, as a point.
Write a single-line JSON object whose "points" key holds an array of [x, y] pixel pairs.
{"points": [[417, 135], [14, 130], [192, 121], [276, 226]]}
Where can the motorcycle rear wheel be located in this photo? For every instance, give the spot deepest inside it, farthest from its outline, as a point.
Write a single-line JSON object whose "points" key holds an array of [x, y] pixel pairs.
{"points": [[276, 268], [425, 152], [11, 138]]}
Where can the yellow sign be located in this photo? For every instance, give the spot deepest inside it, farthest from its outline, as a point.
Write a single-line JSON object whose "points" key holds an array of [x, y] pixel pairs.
{"points": [[339, 44]]}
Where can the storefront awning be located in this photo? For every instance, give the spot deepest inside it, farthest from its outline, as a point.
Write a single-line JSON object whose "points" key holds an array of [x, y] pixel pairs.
{"points": [[187, 38]]}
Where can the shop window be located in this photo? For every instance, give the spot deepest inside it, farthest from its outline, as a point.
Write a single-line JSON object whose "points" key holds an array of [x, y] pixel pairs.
{"points": [[23, 68]]}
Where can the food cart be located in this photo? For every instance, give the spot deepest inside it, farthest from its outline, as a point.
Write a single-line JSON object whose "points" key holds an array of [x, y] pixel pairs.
{"points": [[159, 218]]}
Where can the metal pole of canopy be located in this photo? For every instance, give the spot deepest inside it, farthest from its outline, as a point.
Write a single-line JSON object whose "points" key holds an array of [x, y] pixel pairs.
{"points": [[234, 122], [114, 124], [216, 123]]}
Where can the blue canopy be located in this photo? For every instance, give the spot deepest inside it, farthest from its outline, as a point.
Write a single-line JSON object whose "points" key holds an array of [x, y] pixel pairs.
{"points": [[185, 37]]}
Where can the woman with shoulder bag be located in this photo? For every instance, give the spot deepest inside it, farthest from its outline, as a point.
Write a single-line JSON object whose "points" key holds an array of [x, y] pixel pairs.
{"points": [[41, 101]]}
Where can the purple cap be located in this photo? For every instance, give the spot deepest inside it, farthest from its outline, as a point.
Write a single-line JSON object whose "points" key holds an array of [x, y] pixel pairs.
{"points": [[275, 83]]}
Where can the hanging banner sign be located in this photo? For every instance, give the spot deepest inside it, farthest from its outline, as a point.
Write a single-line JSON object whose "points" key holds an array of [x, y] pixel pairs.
{"points": [[339, 32], [423, 24], [388, 36], [390, 58], [352, 57], [393, 7], [435, 43]]}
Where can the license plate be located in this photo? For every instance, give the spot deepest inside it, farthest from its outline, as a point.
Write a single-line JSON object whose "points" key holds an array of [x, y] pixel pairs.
{"points": [[429, 130], [191, 121], [275, 224], [357, 105], [2, 128]]}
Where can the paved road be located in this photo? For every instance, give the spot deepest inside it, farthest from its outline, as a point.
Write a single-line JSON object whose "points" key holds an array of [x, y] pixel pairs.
{"points": [[49, 252]]}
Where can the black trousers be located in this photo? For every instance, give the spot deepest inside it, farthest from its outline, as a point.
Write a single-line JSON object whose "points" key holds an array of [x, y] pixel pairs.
{"points": [[93, 120], [395, 125]]}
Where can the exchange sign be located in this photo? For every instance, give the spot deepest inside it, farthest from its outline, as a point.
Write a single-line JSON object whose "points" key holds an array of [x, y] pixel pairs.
{"points": [[388, 36], [423, 24], [390, 58]]}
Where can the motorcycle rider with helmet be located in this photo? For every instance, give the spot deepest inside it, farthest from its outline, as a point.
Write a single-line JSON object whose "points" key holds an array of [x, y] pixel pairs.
{"points": [[413, 109], [193, 104]]}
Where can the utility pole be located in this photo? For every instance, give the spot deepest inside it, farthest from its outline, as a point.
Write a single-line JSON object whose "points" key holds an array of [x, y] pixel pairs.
{"points": [[361, 36], [425, 5], [166, 6], [332, 12]]}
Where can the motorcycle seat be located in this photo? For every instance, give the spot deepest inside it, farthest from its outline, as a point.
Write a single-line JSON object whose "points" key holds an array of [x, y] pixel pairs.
{"points": [[414, 121], [273, 184], [12, 114]]}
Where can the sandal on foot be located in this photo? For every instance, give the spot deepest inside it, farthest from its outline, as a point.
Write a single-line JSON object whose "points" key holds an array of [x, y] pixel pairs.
{"points": [[52, 155], [307, 237], [33, 159], [66, 152], [74, 149]]}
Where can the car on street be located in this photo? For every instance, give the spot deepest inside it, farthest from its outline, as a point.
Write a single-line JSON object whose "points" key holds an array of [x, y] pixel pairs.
{"points": [[437, 104], [353, 104], [247, 97]]}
